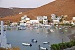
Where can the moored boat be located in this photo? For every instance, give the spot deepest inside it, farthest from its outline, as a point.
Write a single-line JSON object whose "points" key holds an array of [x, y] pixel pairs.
{"points": [[45, 42], [51, 30], [26, 44], [34, 41], [42, 48]]}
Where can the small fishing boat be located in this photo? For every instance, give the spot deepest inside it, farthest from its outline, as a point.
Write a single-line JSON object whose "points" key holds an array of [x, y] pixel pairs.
{"points": [[51, 30], [45, 42], [22, 28], [34, 41], [60, 28], [26, 44], [42, 48]]}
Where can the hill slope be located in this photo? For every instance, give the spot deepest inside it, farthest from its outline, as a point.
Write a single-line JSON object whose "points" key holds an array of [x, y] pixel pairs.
{"points": [[58, 7], [10, 12]]}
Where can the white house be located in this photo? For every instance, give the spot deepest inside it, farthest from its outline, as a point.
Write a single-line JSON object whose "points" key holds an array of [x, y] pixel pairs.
{"points": [[66, 22], [73, 21], [53, 16], [24, 19], [56, 21], [27, 19], [14, 24], [39, 18], [34, 22], [23, 22], [43, 19], [73, 18], [20, 12]]}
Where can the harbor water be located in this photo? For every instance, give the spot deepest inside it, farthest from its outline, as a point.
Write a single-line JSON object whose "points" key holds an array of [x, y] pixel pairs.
{"points": [[17, 37]]}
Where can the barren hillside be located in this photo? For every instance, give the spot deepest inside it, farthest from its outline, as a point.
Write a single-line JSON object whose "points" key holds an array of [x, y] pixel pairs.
{"points": [[12, 11], [58, 7]]}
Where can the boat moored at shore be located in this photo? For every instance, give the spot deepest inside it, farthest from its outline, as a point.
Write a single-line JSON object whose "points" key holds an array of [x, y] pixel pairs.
{"points": [[45, 42], [26, 44], [42, 48]]}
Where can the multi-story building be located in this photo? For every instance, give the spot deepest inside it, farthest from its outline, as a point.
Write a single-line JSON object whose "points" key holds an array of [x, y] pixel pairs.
{"points": [[24, 19], [43, 19]]}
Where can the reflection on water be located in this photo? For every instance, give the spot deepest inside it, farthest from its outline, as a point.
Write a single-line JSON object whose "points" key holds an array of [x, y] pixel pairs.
{"points": [[17, 37]]}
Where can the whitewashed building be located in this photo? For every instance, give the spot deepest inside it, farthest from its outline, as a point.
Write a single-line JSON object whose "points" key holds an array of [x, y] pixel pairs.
{"points": [[73, 18], [53, 16], [14, 24], [56, 20], [20, 12], [28, 23], [24, 19], [73, 21], [39, 18], [66, 22], [3, 40], [34, 22], [43, 19]]}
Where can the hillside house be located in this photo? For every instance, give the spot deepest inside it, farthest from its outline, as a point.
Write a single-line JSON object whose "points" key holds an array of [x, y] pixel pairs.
{"points": [[55, 19], [73, 21], [14, 24], [39, 18], [43, 19], [24, 19], [34, 22], [66, 22]]}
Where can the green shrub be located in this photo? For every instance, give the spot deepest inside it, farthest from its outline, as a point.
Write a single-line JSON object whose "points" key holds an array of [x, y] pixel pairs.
{"points": [[64, 45], [53, 47]]}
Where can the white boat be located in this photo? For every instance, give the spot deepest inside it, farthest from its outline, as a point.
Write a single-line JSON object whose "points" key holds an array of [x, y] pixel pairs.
{"points": [[33, 40], [42, 48], [45, 42], [51, 30], [60, 28], [26, 44], [21, 27], [36, 27]]}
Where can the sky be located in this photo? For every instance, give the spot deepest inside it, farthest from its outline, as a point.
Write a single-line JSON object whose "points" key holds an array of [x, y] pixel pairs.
{"points": [[23, 3]]}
